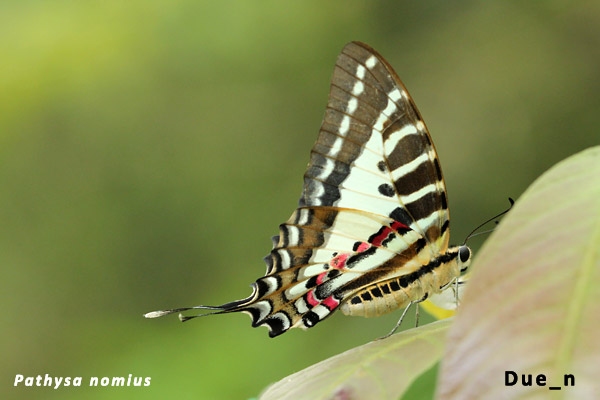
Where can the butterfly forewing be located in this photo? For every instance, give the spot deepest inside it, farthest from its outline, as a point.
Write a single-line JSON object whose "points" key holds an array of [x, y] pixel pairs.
{"points": [[373, 152], [371, 230]]}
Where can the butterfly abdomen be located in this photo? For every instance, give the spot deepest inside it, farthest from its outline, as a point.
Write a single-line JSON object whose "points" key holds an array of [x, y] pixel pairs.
{"points": [[389, 295]]}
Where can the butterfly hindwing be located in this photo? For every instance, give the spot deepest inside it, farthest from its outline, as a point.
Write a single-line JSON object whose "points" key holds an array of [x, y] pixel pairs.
{"points": [[316, 256]]}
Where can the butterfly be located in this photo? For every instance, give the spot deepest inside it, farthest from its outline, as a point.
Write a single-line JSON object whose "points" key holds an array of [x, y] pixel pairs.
{"points": [[371, 231]]}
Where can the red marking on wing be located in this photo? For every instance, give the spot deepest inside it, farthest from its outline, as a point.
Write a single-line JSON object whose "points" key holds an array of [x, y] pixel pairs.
{"points": [[385, 232], [310, 299], [331, 303], [321, 277], [339, 261], [399, 226], [363, 246]]}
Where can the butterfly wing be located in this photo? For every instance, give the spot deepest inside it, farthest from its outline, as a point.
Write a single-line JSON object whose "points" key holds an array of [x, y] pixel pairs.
{"points": [[372, 215], [373, 192]]}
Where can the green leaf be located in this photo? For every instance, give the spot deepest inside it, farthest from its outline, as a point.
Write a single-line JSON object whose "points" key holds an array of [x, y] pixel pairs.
{"points": [[532, 305], [382, 369]]}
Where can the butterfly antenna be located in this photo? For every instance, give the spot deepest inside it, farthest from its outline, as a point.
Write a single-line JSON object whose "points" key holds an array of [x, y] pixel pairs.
{"points": [[473, 232], [483, 232]]}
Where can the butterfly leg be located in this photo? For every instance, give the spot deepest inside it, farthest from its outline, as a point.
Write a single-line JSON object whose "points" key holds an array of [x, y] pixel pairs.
{"points": [[399, 321], [455, 285], [417, 313], [416, 303], [456, 292]]}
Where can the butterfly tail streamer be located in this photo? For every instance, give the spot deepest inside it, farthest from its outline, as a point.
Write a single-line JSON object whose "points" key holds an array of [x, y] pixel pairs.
{"points": [[234, 306]]}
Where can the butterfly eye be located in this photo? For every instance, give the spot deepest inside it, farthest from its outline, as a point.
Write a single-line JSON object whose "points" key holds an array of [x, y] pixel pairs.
{"points": [[464, 256]]}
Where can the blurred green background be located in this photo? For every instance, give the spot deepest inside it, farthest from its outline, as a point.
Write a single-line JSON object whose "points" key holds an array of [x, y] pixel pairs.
{"points": [[149, 150]]}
